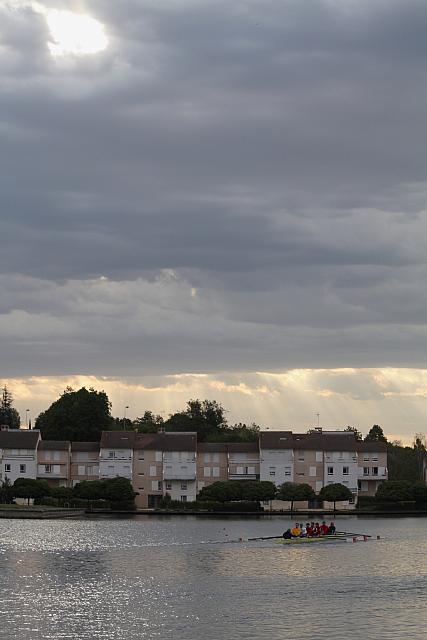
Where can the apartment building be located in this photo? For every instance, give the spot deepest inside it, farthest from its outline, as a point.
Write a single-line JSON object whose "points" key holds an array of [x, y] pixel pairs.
{"points": [[174, 463], [212, 463], [53, 462], [18, 454], [319, 458], [116, 454], [243, 461], [372, 466], [164, 463], [276, 451], [84, 462]]}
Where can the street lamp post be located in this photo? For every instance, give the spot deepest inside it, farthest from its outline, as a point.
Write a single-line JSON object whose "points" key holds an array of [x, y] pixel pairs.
{"points": [[26, 417], [124, 417]]}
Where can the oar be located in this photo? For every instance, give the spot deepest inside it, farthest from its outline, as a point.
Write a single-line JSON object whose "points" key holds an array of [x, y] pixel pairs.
{"points": [[265, 538], [348, 533]]}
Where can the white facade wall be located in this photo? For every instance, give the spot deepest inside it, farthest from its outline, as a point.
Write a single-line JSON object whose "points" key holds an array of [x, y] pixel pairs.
{"points": [[18, 463], [277, 465], [115, 462], [342, 467], [181, 490], [179, 465]]}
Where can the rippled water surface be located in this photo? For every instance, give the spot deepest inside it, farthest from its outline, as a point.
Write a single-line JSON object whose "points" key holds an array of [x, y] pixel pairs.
{"points": [[182, 578]]}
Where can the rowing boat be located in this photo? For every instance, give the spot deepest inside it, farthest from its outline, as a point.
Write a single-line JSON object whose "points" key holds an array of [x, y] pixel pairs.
{"points": [[335, 538]]}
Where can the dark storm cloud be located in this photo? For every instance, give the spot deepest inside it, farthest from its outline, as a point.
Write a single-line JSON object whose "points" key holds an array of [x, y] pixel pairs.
{"points": [[269, 158]]}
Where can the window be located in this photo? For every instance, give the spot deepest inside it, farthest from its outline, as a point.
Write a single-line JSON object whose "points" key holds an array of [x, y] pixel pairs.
{"points": [[7, 467], [301, 455], [48, 468], [207, 457], [374, 457], [183, 498], [366, 471], [215, 457], [183, 486], [345, 471], [158, 457], [168, 486], [374, 471], [81, 470], [287, 471], [57, 456], [215, 472], [153, 471], [351, 500], [111, 454], [207, 472], [22, 468], [272, 472], [365, 458], [319, 456], [330, 471], [359, 485], [313, 471]]}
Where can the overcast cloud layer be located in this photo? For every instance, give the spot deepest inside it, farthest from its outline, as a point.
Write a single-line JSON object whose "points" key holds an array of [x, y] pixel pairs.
{"points": [[227, 187]]}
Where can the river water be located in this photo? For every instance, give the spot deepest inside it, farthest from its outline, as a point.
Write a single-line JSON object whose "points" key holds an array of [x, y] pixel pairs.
{"points": [[182, 578]]}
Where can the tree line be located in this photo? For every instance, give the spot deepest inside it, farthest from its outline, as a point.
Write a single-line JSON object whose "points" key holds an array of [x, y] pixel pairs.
{"points": [[235, 490], [114, 493]]}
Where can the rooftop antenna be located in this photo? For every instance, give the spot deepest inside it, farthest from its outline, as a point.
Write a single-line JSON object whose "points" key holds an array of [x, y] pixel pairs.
{"points": [[318, 420]]}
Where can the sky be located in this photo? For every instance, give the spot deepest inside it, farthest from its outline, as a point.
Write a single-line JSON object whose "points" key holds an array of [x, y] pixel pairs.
{"points": [[219, 200]]}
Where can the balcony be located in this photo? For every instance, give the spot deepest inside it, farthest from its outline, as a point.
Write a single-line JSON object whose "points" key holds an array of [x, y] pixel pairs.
{"points": [[179, 472], [243, 476]]}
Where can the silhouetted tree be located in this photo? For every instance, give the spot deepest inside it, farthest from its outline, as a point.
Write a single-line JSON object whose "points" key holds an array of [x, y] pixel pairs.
{"points": [[77, 415], [8, 414]]}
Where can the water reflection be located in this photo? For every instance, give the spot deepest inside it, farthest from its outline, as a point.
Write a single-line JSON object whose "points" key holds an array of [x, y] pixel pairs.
{"points": [[171, 578]]}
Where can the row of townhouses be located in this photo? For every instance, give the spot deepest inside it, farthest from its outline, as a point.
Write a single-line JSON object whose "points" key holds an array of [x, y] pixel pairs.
{"points": [[176, 464]]}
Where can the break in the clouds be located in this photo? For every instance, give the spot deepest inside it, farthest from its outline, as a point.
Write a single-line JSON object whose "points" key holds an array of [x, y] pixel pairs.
{"points": [[212, 186]]}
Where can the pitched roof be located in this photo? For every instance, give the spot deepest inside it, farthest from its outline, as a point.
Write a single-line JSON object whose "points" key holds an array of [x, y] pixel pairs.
{"points": [[314, 440], [19, 439], [276, 440], [168, 441], [117, 439], [345, 441], [85, 446], [214, 447], [54, 445], [235, 447]]}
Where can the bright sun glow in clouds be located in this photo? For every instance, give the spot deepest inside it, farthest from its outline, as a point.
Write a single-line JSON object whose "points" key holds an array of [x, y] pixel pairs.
{"points": [[74, 33]]}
